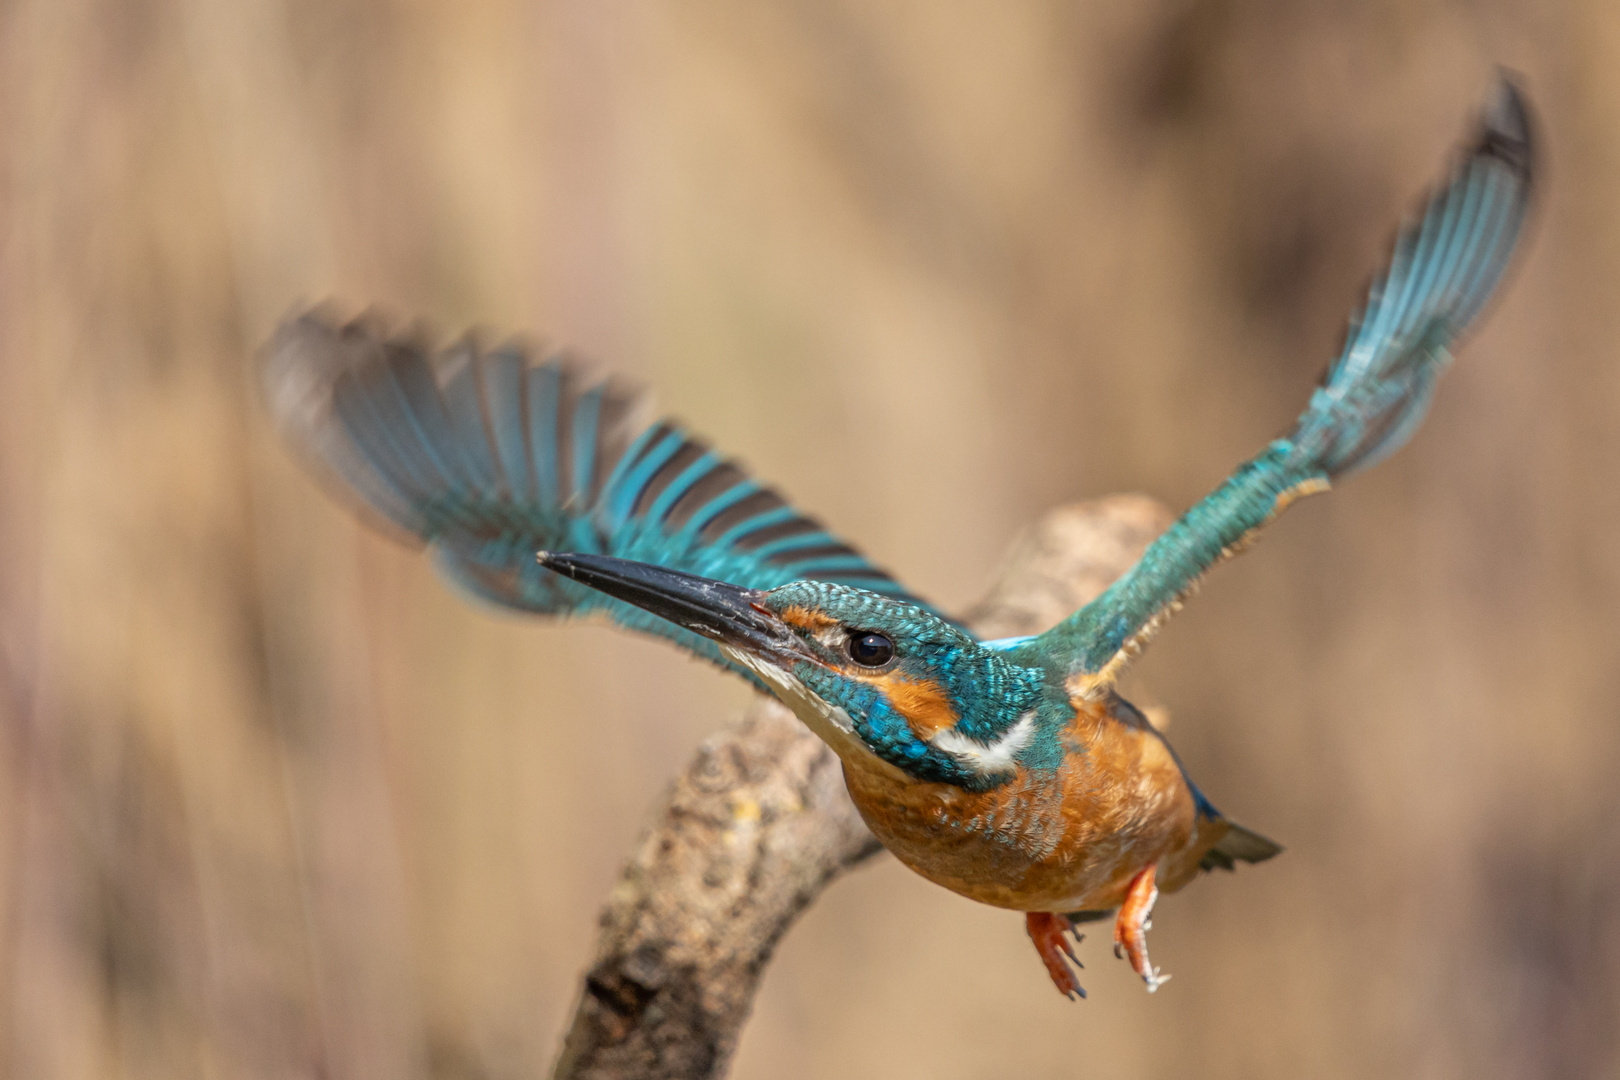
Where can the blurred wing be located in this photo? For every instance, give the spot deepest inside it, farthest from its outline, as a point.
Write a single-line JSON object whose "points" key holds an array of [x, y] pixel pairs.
{"points": [[489, 457], [1443, 271], [1373, 397]]}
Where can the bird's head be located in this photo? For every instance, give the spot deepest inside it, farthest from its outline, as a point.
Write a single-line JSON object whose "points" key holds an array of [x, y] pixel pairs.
{"points": [[867, 673]]}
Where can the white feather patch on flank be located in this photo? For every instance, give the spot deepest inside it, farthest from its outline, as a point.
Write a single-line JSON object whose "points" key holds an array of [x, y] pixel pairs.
{"points": [[988, 758]]}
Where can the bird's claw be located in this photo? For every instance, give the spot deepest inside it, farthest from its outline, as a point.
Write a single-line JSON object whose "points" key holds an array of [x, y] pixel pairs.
{"points": [[1134, 921], [1046, 930]]}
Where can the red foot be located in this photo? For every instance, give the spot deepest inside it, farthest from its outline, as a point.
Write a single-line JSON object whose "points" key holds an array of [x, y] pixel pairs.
{"points": [[1134, 921], [1046, 930]]}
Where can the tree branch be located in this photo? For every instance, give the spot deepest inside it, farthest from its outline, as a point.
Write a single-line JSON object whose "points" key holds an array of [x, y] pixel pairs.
{"points": [[758, 824]]}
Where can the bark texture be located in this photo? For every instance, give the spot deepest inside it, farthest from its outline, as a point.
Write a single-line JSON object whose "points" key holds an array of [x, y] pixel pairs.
{"points": [[758, 824]]}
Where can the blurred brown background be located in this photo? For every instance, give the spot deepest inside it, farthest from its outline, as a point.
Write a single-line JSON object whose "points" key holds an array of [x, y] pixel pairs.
{"points": [[274, 803]]}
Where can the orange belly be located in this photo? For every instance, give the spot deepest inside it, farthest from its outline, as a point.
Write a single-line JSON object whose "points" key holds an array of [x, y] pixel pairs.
{"points": [[1060, 840]]}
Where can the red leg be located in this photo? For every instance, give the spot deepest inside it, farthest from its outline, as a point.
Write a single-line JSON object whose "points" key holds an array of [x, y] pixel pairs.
{"points": [[1046, 930], [1134, 921]]}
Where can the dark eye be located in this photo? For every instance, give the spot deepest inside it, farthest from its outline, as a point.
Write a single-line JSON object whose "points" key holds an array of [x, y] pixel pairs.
{"points": [[870, 650]]}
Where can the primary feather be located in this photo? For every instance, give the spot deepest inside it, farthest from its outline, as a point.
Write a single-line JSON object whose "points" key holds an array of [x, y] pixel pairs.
{"points": [[490, 456], [1373, 397]]}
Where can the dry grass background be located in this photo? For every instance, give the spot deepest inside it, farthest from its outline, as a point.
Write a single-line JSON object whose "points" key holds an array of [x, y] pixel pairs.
{"points": [[274, 803]]}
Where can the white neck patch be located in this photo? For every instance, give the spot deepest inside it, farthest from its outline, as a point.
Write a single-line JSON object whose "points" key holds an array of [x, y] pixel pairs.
{"points": [[987, 759]]}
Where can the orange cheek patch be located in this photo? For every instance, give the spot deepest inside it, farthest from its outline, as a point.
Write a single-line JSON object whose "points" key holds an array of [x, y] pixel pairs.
{"points": [[806, 619], [924, 705]]}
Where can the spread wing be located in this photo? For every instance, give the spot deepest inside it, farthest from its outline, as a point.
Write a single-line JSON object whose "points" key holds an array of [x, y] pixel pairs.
{"points": [[488, 456], [1373, 397]]}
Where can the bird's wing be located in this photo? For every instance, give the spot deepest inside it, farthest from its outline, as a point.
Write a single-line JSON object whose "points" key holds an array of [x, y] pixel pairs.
{"points": [[1369, 403], [490, 456]]}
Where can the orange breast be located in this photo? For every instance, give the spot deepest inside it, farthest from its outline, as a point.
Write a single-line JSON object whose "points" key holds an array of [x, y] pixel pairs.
{"points": [[1068, 839]]}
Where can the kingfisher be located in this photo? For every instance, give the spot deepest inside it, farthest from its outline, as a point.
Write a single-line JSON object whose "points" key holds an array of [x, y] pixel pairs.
{"points": [[1009, 771]]}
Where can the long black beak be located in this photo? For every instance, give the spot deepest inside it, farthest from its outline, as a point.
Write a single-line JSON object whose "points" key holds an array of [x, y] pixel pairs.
{"points": [[719, 611]]}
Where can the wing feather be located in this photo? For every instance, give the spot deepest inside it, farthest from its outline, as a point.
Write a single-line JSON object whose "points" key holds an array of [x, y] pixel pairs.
{"points": [[1374, 396], [489, 456]]}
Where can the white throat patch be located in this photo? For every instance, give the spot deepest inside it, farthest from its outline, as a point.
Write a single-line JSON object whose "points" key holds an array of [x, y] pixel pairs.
{"points": [[835, 728], [830, 722]]}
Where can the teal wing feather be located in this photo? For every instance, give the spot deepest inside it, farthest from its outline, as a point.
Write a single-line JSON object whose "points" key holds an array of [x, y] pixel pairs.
{"points": [[489, 456], [1373, 397]]}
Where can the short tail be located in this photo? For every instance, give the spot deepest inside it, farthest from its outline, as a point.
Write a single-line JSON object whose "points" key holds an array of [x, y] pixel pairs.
{"points": [[1239, 845], [1443, 271]]}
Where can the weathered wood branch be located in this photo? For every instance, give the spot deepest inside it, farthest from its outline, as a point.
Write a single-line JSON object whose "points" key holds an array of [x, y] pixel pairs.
{"points": [[758, 824]]}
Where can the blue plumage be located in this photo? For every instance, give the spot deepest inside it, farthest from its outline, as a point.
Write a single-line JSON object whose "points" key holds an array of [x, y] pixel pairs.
{"points": [[491, 456], [1440, 276], [1370, 402], [1009, 771]]}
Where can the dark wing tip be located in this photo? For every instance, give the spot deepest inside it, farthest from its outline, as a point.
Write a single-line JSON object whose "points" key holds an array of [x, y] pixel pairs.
{"points": [[309, 349], [298, 368], [1505, 127], [313, 346], [322, 336], [298, 364]]}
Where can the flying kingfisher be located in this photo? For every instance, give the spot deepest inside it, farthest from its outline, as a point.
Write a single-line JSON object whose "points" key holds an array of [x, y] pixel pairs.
{"points": [[1008, 771]]}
